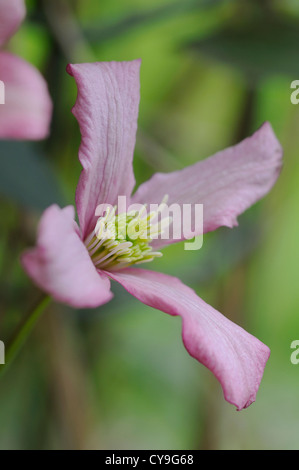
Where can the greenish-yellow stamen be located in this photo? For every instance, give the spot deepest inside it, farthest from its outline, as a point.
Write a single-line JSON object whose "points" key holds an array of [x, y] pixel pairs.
{"points": [[121, 240]]}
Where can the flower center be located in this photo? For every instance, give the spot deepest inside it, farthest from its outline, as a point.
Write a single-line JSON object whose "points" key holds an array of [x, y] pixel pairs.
{"points": [[118, 241]]}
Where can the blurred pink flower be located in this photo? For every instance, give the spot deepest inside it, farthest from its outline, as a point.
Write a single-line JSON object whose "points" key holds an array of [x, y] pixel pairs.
{"points": [[27, 111], [75, 267]]}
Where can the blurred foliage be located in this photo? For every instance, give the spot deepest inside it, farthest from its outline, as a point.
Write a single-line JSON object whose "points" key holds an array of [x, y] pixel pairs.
{"points": [[26, 177], [258, 48], [119, 376]]}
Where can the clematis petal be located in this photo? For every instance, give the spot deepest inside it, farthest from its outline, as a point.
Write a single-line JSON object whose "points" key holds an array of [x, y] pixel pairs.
{"points": [[107, 110], [12, 13], [235, 357], [226, 184], [27, 111], [60, 263]]}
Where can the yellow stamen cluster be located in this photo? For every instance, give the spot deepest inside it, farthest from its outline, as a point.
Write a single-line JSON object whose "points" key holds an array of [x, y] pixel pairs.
{"points": [[121, 240]]}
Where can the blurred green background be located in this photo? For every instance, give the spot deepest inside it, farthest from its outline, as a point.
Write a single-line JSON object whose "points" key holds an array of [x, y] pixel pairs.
{"points": [[118, 377]]}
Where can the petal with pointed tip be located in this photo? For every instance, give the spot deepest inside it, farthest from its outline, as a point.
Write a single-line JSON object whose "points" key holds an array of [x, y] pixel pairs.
{"points": [[107, 110], [235, 357], [226, 184]]}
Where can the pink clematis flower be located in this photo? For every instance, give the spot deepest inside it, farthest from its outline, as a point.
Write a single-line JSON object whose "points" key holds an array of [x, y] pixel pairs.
{"points": [[27, 111], [75, 266]]}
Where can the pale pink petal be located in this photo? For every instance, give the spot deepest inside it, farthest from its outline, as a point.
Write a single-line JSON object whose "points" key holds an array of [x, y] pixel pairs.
{"points": [[12, 13], [27, 111], [226, 184], [60, 264], [235, 357], [107, 110]]}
